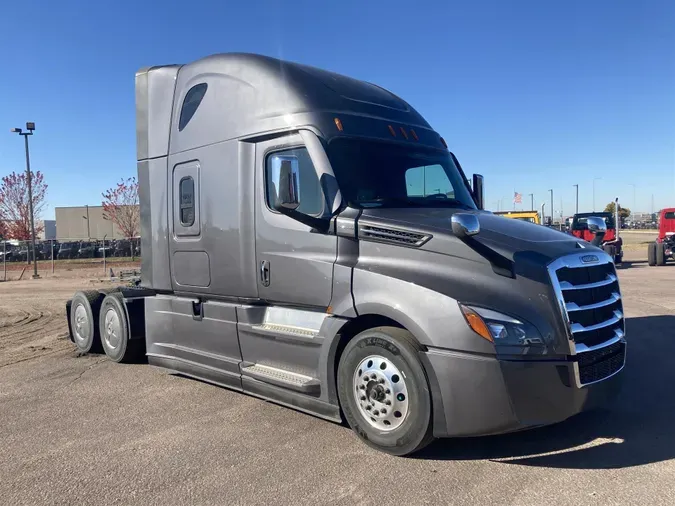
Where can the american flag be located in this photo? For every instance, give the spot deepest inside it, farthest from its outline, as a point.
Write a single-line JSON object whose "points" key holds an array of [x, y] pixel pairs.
{"points": [[517, 198]]}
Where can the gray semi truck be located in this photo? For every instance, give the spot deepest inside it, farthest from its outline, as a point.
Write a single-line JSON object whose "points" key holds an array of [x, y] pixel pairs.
{"points": [[309, 239]]}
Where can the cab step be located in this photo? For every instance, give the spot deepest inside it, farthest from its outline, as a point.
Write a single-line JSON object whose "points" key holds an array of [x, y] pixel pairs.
{"points": [[283, 378], [306, 336]]}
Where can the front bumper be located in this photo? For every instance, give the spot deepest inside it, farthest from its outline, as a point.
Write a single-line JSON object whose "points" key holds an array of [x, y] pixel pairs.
{"points": [[475, 395]]}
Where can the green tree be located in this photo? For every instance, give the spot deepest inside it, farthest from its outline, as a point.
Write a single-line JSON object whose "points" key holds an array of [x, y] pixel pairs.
{"points": [[624, 212]]}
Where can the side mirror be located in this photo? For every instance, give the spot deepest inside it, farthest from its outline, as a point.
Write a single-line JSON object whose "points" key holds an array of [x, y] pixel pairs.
{"points": [[478, 191], [465, 225], [286, 182], [598, 227]]}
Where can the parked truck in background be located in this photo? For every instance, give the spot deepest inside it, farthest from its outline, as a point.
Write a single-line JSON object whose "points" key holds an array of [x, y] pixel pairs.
{"points": [[663, 248], [291, 251], [529, 216], [612, 243]]}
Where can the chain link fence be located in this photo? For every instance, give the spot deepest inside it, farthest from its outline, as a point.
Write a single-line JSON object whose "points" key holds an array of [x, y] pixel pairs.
{"points": [[68, 253]]}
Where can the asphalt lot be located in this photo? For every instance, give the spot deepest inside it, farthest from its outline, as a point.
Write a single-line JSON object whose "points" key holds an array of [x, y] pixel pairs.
{"points": [[82, 430]]}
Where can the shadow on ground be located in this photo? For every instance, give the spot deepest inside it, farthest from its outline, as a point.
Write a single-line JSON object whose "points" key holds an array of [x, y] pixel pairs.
{"points": [[637, 429]]}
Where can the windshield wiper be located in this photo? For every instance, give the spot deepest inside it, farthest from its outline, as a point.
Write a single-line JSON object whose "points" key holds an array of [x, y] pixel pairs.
{"points": [[386, 202], [445, 202], [416, 202]]}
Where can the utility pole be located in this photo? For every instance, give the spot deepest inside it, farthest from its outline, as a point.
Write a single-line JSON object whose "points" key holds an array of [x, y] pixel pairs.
{"points": [[532, 201], [551, 190], [30, 127], [576, 208]]}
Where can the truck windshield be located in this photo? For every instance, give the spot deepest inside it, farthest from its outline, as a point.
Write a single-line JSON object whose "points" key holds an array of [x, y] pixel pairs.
{"points": [[380, 174]]}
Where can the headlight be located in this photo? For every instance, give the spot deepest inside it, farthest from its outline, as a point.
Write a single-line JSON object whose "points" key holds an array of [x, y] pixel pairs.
{"points": [[501, 329]]}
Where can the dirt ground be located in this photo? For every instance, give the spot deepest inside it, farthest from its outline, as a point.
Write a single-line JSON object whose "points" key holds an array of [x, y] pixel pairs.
{"points": [[33, 312], [83, 430]]}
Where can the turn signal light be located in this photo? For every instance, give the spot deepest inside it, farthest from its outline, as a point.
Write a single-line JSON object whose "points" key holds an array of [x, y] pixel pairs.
{"points": [[338, 124], [476, 323]]}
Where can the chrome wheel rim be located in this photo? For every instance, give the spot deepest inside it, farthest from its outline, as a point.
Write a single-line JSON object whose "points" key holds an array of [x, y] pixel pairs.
{"points": [[381, 393], [81, 330], [113, 329]]}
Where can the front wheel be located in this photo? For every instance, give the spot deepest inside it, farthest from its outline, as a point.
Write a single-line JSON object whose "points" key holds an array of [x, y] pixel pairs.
{"points": [[651, 254], [660, 254], [383, 391]]}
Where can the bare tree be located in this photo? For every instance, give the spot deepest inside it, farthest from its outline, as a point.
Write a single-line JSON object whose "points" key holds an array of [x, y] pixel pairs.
{"points": [[120, 205], [14, 204]]}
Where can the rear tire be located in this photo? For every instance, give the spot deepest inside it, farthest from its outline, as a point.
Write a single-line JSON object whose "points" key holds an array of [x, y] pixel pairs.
{"points": [[114, 331], [391, 410], [610, 250], [660, 254], [84, 311], [651, 254]]}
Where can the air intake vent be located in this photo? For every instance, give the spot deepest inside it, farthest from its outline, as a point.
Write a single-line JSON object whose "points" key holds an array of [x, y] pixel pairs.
{"points": [[393, 236]]}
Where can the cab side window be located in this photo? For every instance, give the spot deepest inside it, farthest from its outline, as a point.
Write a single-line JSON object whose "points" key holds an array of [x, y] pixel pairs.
{"points": [[311, 196]]}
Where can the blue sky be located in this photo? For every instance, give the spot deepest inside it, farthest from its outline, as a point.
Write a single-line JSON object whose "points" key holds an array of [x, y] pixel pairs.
{"points": [[532, 94]]}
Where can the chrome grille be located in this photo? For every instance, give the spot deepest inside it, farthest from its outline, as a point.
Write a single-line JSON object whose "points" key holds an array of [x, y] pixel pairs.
{"points": [[589, 298]]}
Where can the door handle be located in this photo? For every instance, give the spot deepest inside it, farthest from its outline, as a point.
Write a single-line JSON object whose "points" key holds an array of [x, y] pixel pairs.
{"points": [[265, 272]]}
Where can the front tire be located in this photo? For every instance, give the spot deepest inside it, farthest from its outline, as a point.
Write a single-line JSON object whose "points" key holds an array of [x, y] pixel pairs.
{"points": [[660, 254], [114, 330], [651, 254], [384, 392]]}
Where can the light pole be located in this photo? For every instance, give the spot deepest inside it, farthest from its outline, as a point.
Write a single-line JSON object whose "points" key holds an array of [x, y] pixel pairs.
{"points": [[87, 219], [551, 190], [576, 208], [594, 180], [532, 201], [30, 126]]}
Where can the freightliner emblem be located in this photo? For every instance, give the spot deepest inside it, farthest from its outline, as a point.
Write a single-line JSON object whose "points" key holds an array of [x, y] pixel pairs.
{"points": [[587, 259]]}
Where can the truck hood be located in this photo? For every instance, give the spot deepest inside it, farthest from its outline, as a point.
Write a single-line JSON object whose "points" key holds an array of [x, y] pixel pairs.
{"points": [[508, 237]]}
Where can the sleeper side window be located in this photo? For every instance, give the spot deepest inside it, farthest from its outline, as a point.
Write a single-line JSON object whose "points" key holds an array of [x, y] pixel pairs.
{"points": [[311, 195], [190, 104]]}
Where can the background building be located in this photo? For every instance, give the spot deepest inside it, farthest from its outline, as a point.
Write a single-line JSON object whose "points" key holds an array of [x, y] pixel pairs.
{"points": [[48, 229], [84, 222]]}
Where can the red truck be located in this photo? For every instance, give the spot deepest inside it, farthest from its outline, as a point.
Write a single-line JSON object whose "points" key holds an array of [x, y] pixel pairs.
{"points": [[664, 246], [611, 243]]}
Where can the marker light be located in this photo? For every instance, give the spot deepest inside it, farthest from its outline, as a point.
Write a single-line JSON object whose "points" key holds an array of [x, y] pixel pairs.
{"points": [[414, 134], [405, 134], [476, 323], [338, 124]]}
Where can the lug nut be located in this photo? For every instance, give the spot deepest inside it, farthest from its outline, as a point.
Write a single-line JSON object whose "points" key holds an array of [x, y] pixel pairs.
{"points": [[383, 411], [363, 397], [368, 407], [376, 412], [362, 387], [387, 391], [387, 402], [373, 376], [381, 381]]}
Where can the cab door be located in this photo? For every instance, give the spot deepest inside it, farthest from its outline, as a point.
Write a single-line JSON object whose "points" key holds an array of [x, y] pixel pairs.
{"points": [[295, 263]]}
